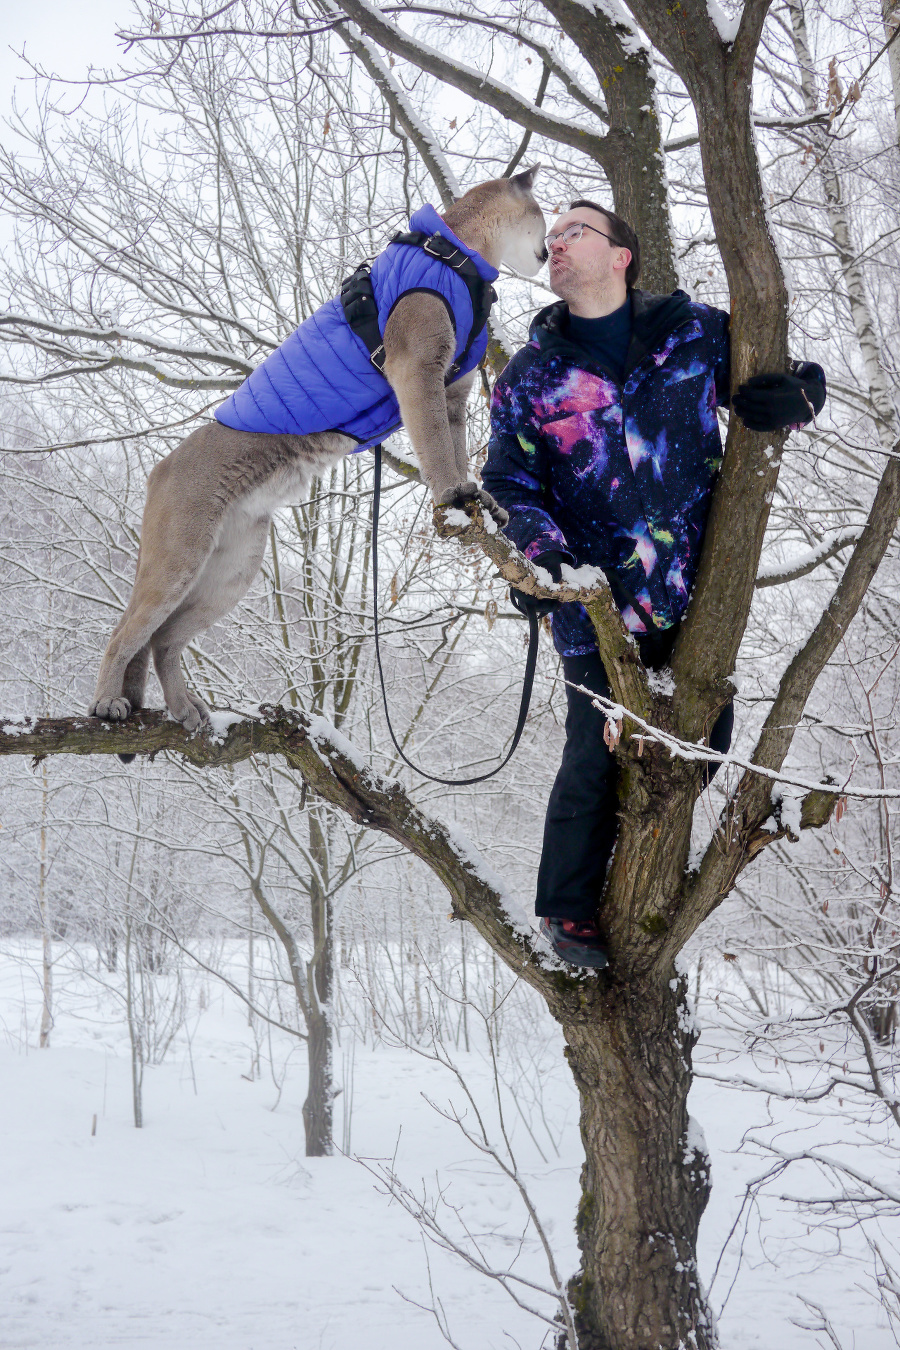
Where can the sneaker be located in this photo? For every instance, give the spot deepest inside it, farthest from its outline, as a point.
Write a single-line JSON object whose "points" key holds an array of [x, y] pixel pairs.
{"points": [[576, 941]]}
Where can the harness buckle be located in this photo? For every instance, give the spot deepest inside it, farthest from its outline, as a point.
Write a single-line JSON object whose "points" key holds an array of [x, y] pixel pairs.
{"points": [[441, 252], [378, 358]]}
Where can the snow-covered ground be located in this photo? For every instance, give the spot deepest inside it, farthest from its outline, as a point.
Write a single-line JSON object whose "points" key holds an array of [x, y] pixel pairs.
{"points": [[209, 1227]]}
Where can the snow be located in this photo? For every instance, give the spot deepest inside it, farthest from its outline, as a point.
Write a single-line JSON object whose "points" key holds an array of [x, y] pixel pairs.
{"points": [[209, 1230], [694, 1142], [726, 28], [662, 681], [809, 557], [790, 804], [454, 516], [15, 726], [221, 720], [585, 577]]}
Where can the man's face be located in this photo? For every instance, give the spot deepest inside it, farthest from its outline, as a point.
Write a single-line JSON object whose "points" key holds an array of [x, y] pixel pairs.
{"points": [[592, 265]]}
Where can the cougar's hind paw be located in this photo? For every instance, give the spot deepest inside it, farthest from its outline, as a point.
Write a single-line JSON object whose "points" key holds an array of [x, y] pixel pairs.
{"points": [[194, 715], [110, 709], [463, 493]]}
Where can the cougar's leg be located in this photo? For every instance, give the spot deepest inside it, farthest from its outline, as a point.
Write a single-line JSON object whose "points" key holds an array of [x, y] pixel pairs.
{"points": [[224, 578], [134, 682], [457, 396], [149, 607], [418, 345], [178, 533]]}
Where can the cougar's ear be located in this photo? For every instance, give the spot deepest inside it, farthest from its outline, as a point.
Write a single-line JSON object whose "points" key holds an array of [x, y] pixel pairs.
{"points": [[525, 180]]}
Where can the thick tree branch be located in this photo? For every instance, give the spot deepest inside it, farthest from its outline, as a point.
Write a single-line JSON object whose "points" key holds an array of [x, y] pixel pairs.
{"points": [[482, 88], [635, 165], [778, 574], [547, 56], [405, 116], [331, 767], [806, 667]]}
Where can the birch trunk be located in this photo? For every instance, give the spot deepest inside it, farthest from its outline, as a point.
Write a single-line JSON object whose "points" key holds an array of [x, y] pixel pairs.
{"points": [[46, 930], [890, 10], [885, 412]]}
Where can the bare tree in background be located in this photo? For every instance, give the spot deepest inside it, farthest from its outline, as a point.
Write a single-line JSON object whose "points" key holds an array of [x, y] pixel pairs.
{"points": [[629, 1036]]}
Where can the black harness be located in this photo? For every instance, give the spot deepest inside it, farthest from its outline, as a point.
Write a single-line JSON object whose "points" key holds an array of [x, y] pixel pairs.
{"points": [[361, 311]]}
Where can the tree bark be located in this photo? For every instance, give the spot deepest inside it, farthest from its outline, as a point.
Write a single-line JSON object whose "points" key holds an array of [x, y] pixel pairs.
{"points": [[634, 161], [645, 1180], [631, 153], [318, 1109]]}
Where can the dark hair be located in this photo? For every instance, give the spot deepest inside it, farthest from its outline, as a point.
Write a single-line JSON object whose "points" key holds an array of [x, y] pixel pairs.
{"points": [[622, 234]]}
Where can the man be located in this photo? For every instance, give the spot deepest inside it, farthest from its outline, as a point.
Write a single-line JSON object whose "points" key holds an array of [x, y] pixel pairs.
{"points": [[605, 448]]}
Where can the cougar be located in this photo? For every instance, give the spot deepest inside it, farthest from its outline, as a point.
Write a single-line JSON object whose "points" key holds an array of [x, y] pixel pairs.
{"points": [[210, 502]]}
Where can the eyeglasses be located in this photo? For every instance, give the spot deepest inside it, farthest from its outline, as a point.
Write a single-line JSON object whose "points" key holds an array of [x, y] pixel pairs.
{"points": [[573, 233]]}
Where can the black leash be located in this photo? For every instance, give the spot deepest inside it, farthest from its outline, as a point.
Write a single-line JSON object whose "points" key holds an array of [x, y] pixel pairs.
{"points": [[530, 662]]}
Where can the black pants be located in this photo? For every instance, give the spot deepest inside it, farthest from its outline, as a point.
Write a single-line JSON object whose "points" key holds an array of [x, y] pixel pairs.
{"points": [[580, 828]]}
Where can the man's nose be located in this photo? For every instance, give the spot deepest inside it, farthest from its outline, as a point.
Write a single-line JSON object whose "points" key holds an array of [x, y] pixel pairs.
{"points": [[558, 243]]}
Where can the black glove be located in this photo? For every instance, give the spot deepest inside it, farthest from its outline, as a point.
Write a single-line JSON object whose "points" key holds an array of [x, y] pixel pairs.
{"points": [[528, 604], [771, 402]]}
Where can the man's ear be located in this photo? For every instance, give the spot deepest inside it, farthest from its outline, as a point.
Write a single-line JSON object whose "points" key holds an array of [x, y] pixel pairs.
{"points": [[619, 265], [525, 180]]}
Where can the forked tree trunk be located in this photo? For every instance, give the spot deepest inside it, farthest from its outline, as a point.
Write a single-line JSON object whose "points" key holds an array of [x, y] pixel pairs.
{"points": [[645, 1180]]}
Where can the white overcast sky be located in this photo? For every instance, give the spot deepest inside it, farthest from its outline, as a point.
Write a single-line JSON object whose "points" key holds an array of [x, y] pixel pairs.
{"points": [[64, 36]]}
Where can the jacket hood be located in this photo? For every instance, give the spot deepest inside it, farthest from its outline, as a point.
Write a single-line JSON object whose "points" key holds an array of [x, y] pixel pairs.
{"points": [[653, 318]]}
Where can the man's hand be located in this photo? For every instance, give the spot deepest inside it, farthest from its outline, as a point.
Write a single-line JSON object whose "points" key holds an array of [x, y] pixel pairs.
{"points": [[771, 402], [528, 604]]}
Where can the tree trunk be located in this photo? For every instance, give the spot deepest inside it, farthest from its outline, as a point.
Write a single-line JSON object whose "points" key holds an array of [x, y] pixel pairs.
{"points": [[318, 1109], [135, 1034], [645, 1180], [46, 929], [635, 163]]}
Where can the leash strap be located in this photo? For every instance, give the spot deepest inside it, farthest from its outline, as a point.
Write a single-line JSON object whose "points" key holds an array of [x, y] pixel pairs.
{"points": [[527, 684]]}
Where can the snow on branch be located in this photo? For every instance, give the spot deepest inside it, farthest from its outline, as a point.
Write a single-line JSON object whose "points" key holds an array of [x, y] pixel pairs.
{"points": [[821, 795], [776, 574], [559, 71], [334, 769], [394, 95], [482, 88], [588, 585], [119, 335]]}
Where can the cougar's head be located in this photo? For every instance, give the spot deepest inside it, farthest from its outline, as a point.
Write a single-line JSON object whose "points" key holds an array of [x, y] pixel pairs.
{"points": [[522, 245], [503, 221]]}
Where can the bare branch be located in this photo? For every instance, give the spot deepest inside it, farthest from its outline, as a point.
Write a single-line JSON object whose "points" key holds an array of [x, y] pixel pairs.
{"points": [[330, 766], [482, 88], [778, 574]]}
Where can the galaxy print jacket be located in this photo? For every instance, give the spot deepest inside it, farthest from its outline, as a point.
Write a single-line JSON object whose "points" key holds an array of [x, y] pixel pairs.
{"points": [[618, 475]]}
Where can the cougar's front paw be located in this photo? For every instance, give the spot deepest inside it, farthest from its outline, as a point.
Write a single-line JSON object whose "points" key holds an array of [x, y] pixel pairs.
{"points": [[192, 716], [469, 492], [110, 709]]}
